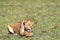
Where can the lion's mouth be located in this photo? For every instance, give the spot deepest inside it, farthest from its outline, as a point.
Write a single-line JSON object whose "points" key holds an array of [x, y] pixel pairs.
{"points": [[29, 30]]}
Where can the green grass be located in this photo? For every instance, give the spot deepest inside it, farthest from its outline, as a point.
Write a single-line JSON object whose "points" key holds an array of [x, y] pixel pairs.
{"points": [[45, 13]]}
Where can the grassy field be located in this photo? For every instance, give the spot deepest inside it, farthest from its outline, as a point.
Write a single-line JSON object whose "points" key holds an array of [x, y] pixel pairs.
{"points": [[45, 13]]}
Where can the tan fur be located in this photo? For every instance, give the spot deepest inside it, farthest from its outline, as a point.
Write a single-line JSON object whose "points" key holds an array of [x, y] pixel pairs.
{"points": [[28, 33], [18, 28]]}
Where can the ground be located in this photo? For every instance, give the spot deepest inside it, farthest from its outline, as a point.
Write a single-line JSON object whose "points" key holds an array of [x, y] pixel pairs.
{"points": [[45, 13]]}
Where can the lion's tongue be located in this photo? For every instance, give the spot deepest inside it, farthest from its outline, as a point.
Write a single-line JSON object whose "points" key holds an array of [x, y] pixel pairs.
{"points": [[29, 30]]}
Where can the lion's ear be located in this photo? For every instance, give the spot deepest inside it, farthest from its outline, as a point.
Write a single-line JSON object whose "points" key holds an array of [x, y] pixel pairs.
{"points": [[32, 22], [23, 23]]}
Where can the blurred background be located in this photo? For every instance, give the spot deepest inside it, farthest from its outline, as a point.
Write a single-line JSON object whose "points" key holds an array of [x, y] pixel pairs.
{"points": [[45, 13]]}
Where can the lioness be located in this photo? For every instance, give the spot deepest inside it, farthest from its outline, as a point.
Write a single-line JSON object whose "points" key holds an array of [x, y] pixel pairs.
{"points": [[22, 28]]}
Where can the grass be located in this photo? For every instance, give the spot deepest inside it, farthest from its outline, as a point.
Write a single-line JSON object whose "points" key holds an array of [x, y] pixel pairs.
{"points": [[45, 13]]}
